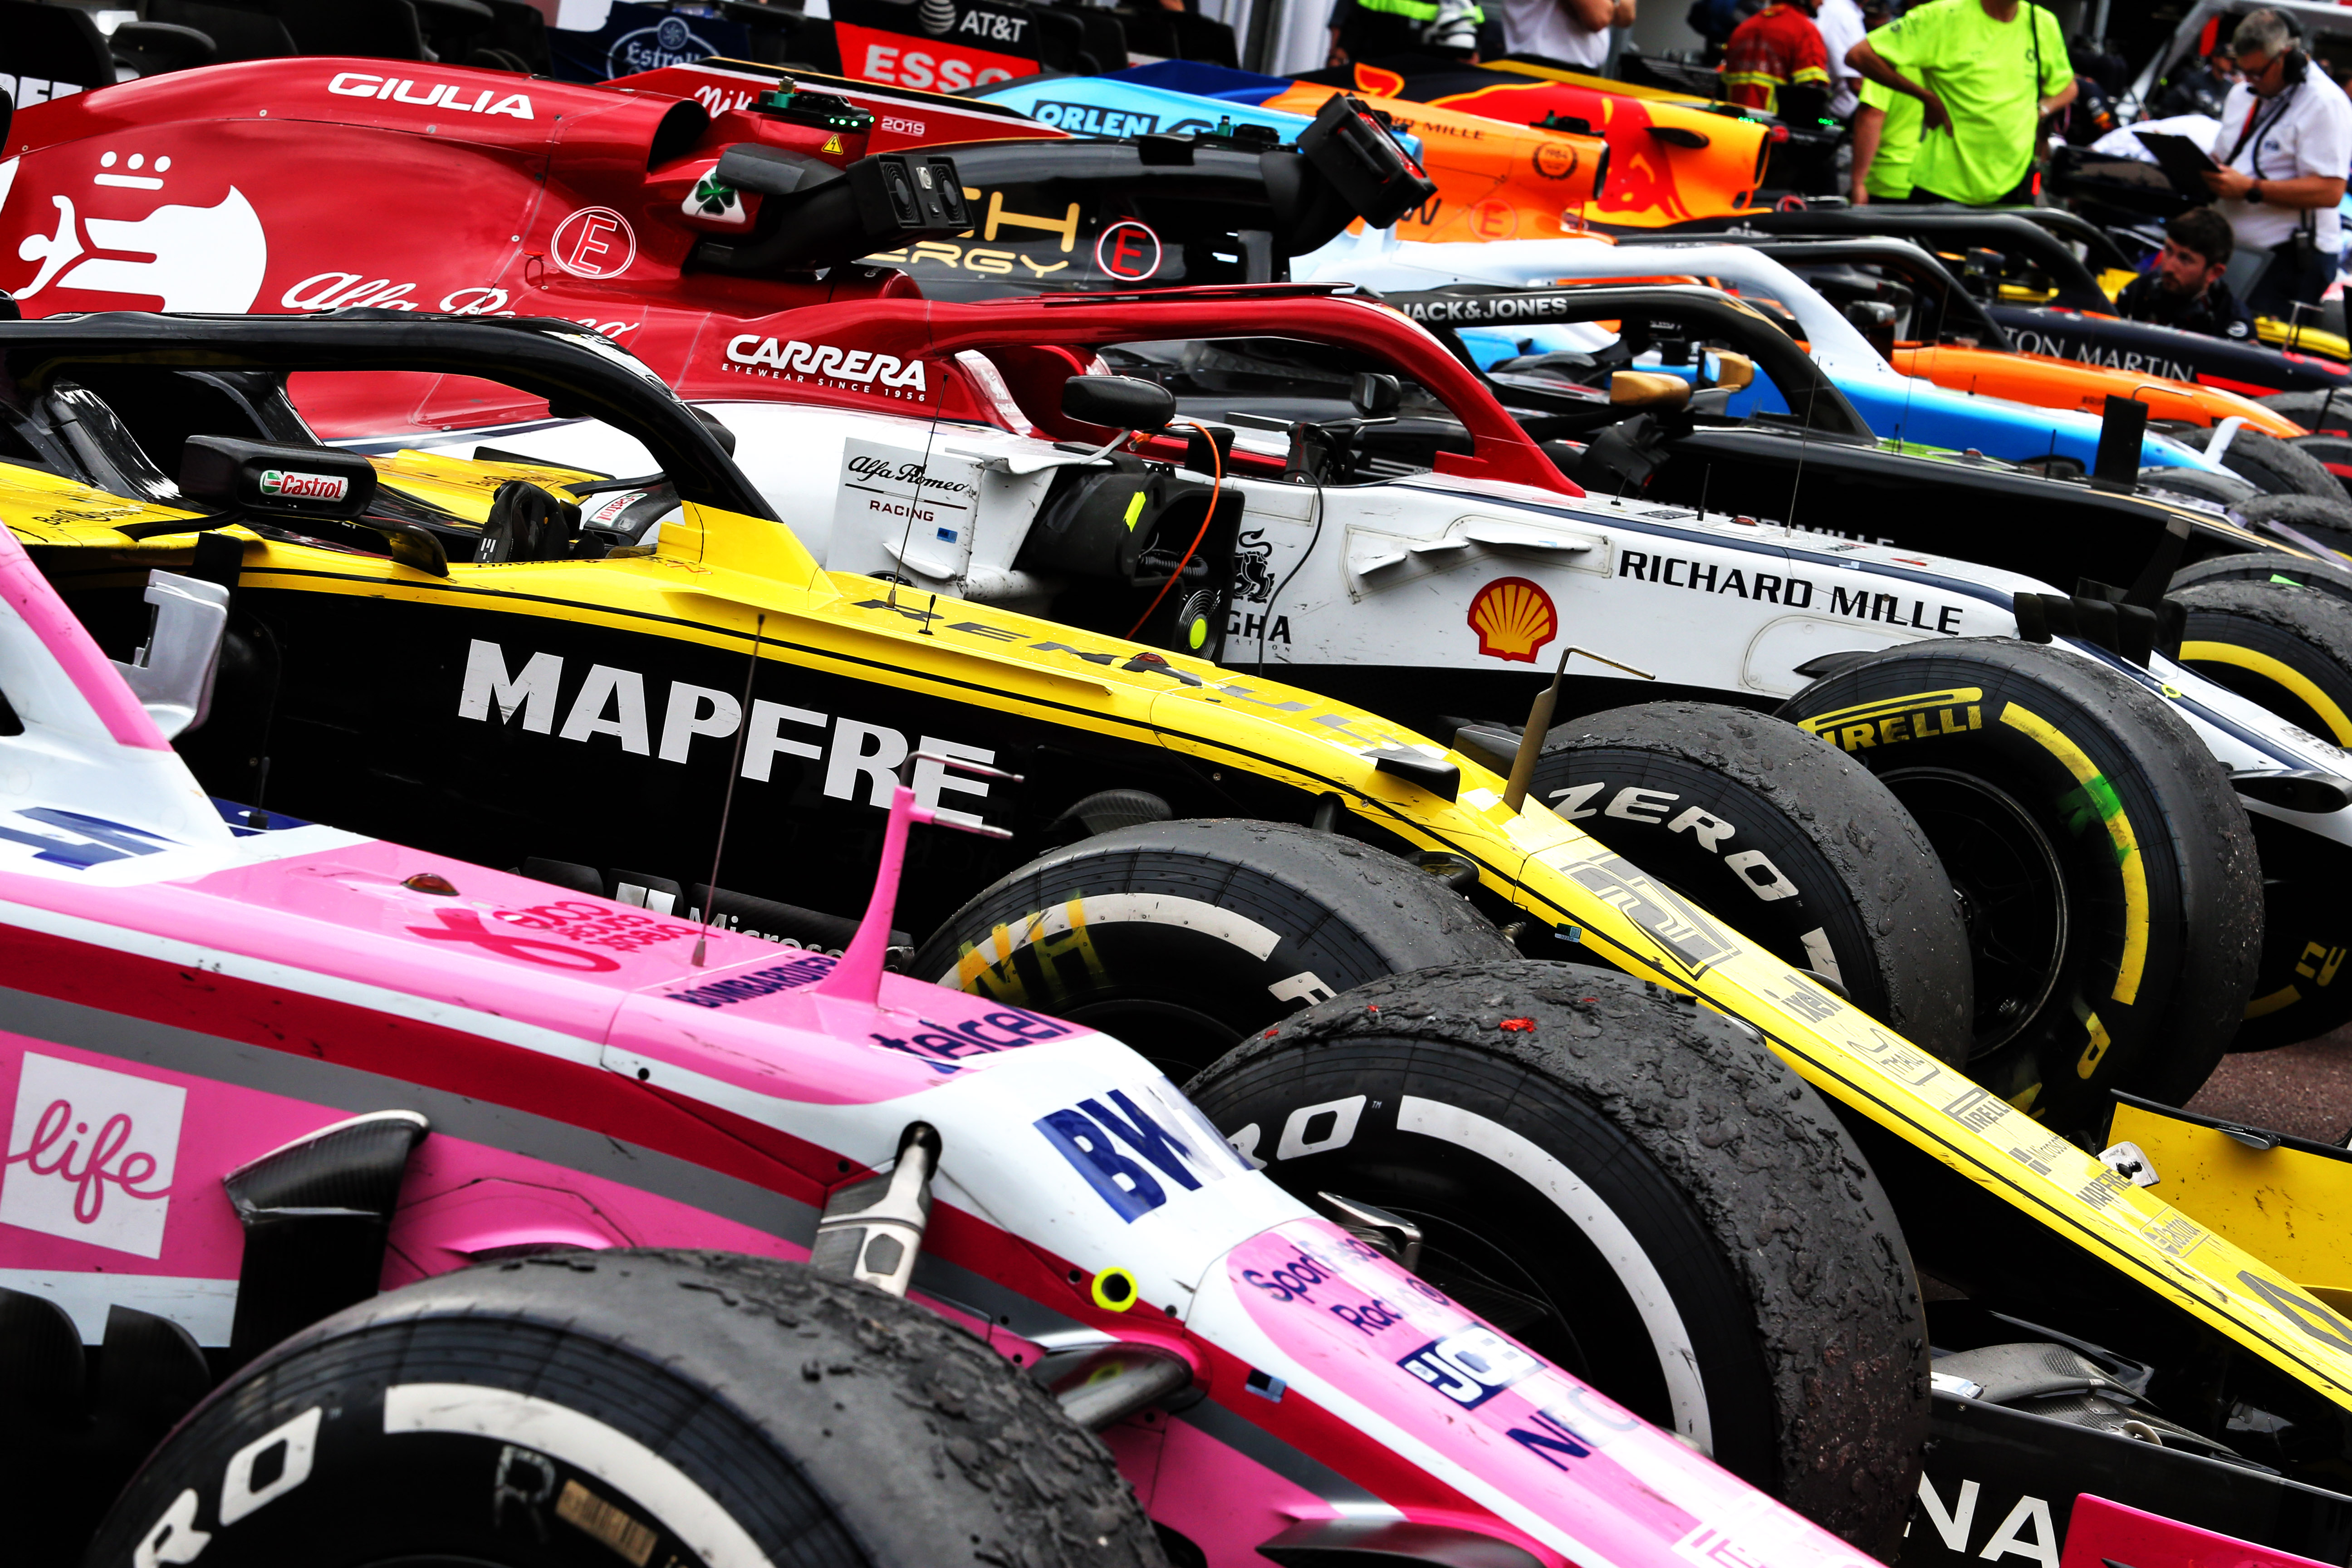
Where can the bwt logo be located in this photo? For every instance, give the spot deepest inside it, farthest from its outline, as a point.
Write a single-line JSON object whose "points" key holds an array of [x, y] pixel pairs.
{"points": [[858, 366], [1084, 1137], [303, 487]]}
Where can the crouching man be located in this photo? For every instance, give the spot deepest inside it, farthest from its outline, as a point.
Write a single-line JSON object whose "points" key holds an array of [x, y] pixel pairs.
{"points": [[2183, 287]]}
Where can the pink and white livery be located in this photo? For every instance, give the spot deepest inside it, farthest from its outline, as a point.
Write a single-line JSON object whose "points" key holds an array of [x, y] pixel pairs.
{"points": [[189, 988]]}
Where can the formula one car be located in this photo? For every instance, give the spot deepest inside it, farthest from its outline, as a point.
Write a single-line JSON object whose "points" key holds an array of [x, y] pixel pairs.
{"points": [[693, 1176], [633, 196], [1352, 651], [2243, 457], [2028, 1037], [2060, 308], [1792, 155], [1927, 323], [1493, 182], [1896, 406], [674, 336], [506, 701]]}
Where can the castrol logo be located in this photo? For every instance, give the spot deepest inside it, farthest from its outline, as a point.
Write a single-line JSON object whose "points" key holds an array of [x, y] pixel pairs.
{"points": [[287, 486]]}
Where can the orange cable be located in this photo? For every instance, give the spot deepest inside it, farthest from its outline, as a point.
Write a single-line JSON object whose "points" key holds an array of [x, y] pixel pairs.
{"points": [[1217, 466]]}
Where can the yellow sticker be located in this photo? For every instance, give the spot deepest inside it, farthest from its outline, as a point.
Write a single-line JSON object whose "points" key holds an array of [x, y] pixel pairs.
{"points": [[1114, 1290]]}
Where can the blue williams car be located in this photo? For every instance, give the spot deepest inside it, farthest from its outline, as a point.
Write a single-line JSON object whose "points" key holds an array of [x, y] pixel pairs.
{"points": [[1116, 106], [1897, 406]]}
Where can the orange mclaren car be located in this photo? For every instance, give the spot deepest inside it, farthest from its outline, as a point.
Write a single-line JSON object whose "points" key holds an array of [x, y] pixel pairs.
{"points": [[1673, 157]]}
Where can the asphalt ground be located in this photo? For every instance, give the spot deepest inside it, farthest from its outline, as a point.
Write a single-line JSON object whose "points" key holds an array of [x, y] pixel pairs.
{"points": [[2304, 1090]]}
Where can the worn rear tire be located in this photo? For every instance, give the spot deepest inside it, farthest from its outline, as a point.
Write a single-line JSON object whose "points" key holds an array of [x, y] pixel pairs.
{"points": [[1180, 937], [2198, 484], [2308, 408], [2285, 648], [2332, 451], [2333, 578], [2112, 878], [2320, 520], [1635, 1188], [2289, 649], [2278, 468], [659, 1405], [1785, 838]]}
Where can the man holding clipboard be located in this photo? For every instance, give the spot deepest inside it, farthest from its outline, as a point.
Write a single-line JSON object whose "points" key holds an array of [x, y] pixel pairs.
{"points": [[2283, 153]]}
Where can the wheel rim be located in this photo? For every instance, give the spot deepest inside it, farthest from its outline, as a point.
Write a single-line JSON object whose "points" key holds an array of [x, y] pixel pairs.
{"points": [[2012, 894], [1476, 1224], [1179, 1040]]}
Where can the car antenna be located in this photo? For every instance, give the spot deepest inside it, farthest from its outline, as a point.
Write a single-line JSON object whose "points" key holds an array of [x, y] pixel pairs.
{"points": [[1804, 440], [727, 804], [858, 977], [1531, 738]]}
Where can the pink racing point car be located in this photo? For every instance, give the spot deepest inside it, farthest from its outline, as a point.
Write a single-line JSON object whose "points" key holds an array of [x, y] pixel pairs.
{"points": [[261, 1069]]}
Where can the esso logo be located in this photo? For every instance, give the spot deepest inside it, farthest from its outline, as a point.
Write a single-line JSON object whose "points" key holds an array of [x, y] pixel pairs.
{"points": [[594, 242], [1129, 251], [1491, 219]]}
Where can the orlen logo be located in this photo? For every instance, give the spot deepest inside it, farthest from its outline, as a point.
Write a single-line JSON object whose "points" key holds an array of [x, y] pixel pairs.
{"points": [[303, 487], [1088, 1135], [756, 355], [443, 95], [90, 1154]]}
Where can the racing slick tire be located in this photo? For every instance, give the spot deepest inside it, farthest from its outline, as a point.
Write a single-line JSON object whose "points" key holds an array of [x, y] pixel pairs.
{"points": [[2332, 451], [2290, 650], [2277, 469], [652, 1407], [1784, 836], [1636, 1189], [2325, 521], [2305, 408], [2287, 647], [2333, 578], [2198, 484], [2112, 888], [1183, 937]]}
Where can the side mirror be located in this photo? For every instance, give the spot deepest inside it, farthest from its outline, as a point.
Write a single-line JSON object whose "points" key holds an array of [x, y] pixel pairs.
{"points": [[1631, 391], [1119, 401], [720, 432], [1375, 395], [172, 674], [1875, 319], [1731, 372], [262, 478]]}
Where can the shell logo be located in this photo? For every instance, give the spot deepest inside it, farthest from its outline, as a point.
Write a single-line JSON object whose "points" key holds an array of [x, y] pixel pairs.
{"points": [[1513, 618]]}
